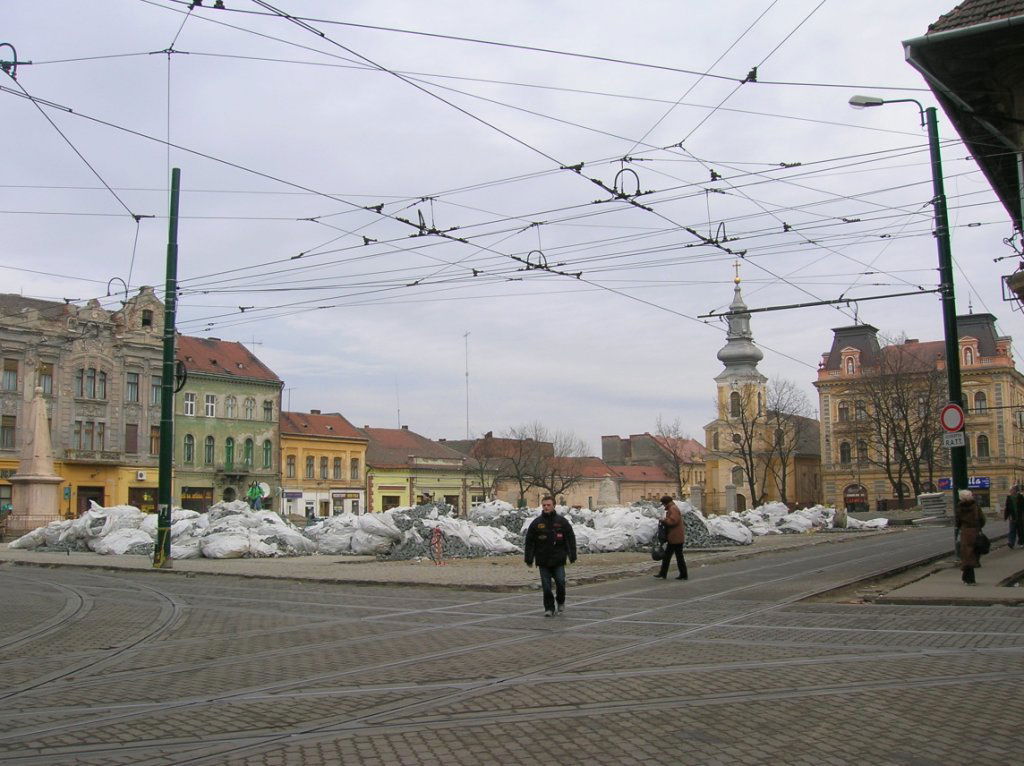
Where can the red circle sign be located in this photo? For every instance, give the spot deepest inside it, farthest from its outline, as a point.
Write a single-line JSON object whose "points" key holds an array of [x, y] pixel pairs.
{"points": [[951, 418]]}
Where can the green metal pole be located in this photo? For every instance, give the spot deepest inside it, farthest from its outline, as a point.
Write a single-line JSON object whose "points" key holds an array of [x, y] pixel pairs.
{"points": [[958, 455], [162, 550]]}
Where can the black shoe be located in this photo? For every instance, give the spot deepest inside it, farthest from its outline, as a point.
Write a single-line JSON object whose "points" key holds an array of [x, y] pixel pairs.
{"points": [[660, 576], [682, 577]]}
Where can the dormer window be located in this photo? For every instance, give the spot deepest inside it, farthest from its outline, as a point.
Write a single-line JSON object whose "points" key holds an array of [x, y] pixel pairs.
{"points": [[849, 365], [968, 357]]}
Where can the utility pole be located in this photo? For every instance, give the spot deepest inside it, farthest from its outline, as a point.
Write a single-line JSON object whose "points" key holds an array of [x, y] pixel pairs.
{"points": [[162, 550], [466, 338]]}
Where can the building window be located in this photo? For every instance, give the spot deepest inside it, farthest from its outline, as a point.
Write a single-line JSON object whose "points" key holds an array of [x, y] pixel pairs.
{"points": [[250, 408], [9, 381], [229, 453], [336, 474], [982, 446], [714, 440], [248, 453], [737, 476], [862, 451], [189, 454], [844, 453], [354, 468], [387, 502], [734, 404], [155, 388], [90, 383], [290, 463], [759, 403], [268, 410], [46, 378], [980, 402], [229, 407], [310, 467], [131, 438], [844, 411], [147, 317], [101, 385], [154, 440], [268, 454], [968, 357], [131, 387], [849, 365], [7, 424], [323, 468], [209, 449], [210, 406], [190, 404]]}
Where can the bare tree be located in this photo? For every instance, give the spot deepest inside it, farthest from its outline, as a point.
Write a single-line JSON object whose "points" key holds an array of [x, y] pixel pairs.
{"points": [[675, 456], [523, 453], [790, 425], [561, 468], [742, 441]]}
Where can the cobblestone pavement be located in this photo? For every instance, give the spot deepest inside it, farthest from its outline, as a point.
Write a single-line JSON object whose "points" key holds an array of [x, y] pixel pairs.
{"points": [[734, 666]]}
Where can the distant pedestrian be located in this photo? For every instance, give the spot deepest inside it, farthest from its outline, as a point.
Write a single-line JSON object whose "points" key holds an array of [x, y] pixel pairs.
{"points": [[550, 541], [1013, 512], [676, 537], [969, 521], [255, 496]]}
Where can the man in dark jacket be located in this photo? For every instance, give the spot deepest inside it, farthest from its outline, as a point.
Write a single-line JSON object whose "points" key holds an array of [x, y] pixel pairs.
{"points": [[549, 541], [1013, 512]]}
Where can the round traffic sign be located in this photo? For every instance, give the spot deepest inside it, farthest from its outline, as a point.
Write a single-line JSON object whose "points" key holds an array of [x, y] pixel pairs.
{"points": [[951, 418]]}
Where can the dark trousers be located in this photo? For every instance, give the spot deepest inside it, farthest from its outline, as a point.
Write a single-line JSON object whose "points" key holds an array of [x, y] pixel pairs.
{"points": [[968, 574], [1016, 536], [676, 548], [547, 574]]}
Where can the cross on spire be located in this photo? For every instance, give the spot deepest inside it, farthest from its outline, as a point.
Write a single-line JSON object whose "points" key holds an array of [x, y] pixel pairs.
{"points": [[736, 266]]}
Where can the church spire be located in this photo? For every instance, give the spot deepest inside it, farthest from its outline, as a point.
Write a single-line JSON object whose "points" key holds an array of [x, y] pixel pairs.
{"points": [[739, 354]]}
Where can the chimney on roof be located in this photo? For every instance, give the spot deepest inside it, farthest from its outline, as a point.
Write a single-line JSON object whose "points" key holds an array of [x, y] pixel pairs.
{"points": [[908, 341], [365, 426], [212, 338], [405, 428], [314, 412]]}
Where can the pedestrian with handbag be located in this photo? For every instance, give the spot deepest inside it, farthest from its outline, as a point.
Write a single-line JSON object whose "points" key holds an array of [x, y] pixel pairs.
{"points": [[673, 521], [969, 521], [1013, 512]]}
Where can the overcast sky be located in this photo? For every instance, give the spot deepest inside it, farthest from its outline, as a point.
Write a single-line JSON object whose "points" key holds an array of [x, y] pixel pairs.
{"points": [[290, 135]]}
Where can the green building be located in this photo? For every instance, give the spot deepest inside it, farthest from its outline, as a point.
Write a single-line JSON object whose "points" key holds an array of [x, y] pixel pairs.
{"points": [[226, 433]]}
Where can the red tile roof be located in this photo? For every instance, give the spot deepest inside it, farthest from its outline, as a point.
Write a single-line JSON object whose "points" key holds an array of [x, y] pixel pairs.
{"points": [[641, 473], [212, 356], [689, 450], [971, 12], [392, 447], [331, 424], [588, 467]]}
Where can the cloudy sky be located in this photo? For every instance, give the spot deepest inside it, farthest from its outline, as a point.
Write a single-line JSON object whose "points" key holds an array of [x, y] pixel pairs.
{"points": [[364, 185]]}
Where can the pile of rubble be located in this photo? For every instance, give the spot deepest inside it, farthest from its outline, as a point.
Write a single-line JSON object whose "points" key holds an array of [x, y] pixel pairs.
{"points": [[233, 530]]}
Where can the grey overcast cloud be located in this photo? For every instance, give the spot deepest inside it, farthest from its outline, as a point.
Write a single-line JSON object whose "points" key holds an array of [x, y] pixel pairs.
{"points": [[367, 182]]}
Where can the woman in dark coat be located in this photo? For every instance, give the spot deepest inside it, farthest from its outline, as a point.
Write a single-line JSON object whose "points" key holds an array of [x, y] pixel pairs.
{"points": [[969, 521], [676, 537]]}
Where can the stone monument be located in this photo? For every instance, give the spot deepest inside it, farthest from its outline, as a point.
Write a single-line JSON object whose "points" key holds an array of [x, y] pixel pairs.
{"points": [[608, 494], [36, 488]]}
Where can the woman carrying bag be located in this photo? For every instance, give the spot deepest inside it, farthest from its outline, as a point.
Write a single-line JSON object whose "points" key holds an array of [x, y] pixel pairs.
{"points": [[969, 521]]}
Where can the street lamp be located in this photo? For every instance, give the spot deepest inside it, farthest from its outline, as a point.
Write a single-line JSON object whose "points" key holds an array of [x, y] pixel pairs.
{"points": [[958, 455]]}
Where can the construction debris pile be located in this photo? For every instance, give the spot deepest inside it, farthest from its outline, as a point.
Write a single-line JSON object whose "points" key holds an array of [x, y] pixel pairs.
{"points": [[233, 530]]}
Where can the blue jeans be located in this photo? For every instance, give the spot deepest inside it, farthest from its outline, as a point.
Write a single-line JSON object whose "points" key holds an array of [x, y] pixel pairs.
{"points": [[546, 575]]}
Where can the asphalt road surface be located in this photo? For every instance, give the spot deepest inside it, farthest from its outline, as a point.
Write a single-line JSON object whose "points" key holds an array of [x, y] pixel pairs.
{"points": [[734, 666]]}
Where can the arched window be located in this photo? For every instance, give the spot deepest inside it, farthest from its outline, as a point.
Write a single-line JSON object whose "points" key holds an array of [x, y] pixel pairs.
{"points": [[248, 452], [968, 357], [250, 408], [229, 406], [780, 437], [268, 454], [982, 445], [208, 450], [309, 467], [844, 411], [734, 404], [859, 412], [759, 403], [980, 402], [229, 453], [714, 439], [336, 474], [844, 453], [862, 451], [190, 448], [737, 476], [849, 365]]}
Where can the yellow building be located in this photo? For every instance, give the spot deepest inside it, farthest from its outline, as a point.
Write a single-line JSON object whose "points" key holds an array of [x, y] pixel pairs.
{"points": [[323, 464], [850, 378]]}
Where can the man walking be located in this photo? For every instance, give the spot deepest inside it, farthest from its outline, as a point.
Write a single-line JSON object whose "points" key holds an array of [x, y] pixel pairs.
{"points": [[1013, 512], [676, 537], [549, 541]]}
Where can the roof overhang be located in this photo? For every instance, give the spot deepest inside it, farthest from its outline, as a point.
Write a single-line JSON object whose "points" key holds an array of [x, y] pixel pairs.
{"points": [[977, 74]]}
